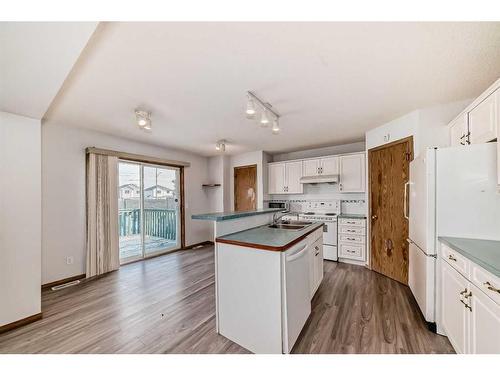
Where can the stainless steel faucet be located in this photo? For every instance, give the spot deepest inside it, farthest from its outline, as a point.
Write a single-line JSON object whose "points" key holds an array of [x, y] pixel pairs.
{"points": [[286, 213]]}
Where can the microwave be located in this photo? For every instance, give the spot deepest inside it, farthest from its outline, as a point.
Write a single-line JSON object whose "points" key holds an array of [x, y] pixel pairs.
{"points": [[282, 205]]}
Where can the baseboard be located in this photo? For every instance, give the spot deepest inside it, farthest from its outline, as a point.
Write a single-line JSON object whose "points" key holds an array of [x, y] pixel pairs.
{"points": [[204, 243], [63, 281], [20, 323]]}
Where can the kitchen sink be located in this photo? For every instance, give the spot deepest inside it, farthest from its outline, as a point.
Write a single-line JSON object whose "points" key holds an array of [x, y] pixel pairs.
{"points": [[295, 222], [286, 226]]}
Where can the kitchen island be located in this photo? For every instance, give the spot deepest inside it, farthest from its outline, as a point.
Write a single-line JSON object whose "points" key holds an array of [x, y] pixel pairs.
{"points": [[265, 279]]}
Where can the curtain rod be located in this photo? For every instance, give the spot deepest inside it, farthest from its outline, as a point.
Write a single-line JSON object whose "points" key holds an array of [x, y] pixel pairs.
{"points": [[136, 157]]}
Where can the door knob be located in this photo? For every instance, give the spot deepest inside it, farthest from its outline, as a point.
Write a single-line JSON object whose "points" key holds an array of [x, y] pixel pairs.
{"points": [[374, 217]]}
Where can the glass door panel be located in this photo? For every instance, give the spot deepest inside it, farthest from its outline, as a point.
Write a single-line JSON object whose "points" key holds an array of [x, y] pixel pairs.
{"points": [[129, 211], [161, 209]]}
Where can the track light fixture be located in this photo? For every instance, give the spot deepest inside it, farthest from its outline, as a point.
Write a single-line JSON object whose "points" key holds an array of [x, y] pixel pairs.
{"points": [[268, 114], [143, 119], [221, 145]]}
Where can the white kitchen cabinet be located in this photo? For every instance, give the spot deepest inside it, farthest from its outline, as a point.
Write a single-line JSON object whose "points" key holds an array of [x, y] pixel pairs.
{"points": [[311, 167], [352, 238], [453, 311], [284, 178], [317, 252], [321, 166], [293, 174], [470, 312], [276, 180], [483, 119], [484, 324], [459, 130], [352, 173]]}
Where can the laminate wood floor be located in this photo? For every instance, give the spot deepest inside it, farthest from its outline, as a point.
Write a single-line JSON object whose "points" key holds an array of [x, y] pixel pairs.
{"points": [[167, 305]]}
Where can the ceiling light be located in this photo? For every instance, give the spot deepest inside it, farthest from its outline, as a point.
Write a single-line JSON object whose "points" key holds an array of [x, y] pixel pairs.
{"points": [[264, 120], [250, 111], [220, 145], [143, 119], [276, 127]]}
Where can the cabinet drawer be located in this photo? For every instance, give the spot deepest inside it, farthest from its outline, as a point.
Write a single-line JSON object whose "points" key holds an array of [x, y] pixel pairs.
{"points": [[349, 238], [485, 281], [349, 251], [355, 222], [360, 231], [457, 261]]}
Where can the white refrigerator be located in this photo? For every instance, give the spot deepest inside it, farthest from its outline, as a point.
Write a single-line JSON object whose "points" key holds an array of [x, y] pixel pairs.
{"points": [[452, 192]]}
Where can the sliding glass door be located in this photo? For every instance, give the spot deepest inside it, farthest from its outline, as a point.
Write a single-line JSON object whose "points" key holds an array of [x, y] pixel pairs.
{"points": [[149, 210]]}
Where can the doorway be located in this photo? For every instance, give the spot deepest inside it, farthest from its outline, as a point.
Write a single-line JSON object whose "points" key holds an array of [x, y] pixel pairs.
{"points": [[389, 168], [149, 202], [245, 188]]}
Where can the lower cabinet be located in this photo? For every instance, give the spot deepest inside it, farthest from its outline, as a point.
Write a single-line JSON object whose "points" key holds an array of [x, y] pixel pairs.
{"points": [[315, 262], [469, 317], [352, 239]]}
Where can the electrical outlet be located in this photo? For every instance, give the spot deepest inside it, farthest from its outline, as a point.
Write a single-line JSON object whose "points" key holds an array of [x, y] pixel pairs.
{"points": [[69, 260]]}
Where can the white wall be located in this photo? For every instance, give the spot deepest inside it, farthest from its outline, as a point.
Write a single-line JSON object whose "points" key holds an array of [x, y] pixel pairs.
{"points": [[323, 151], [249, 158], [20, 217], [63, 198]]}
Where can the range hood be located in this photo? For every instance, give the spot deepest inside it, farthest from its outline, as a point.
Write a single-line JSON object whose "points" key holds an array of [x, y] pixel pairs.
{"points": [[327, 178]]}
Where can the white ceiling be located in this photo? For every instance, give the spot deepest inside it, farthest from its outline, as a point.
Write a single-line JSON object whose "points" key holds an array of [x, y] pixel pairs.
{"points": [[35, 59], [330, 81]]}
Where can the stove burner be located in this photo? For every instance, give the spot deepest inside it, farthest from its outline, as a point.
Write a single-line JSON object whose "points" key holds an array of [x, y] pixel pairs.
{"points": [[308, 213], [330, 214]]}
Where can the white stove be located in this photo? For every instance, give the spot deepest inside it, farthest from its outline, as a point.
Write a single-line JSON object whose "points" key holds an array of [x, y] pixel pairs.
{"points": [[325, 211]]}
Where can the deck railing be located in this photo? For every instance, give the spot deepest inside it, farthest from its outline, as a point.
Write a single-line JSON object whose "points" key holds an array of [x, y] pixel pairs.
{"points": [[157, 223]]}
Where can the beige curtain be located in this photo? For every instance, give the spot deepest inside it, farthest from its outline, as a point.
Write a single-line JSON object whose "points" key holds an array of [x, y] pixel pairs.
{"points": [[102, 214]]}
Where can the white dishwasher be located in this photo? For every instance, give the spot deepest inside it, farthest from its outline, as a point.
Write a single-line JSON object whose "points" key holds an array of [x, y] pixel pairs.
{"points": [[296, 293]]}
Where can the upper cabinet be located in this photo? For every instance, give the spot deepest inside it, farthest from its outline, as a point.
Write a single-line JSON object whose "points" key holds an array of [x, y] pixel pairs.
{"points": [[321, 166], [483, 119], [284, 178], [459, 130], [352, 173]]}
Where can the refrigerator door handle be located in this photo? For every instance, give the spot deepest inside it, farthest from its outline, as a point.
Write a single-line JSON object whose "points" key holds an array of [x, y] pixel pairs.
{"points": [[405, 203]]}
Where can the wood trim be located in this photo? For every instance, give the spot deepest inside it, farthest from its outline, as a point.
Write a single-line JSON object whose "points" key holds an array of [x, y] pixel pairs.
{"points": [[369, 218], [20, 323], [63, 281], [182, 208], [137, 158], [204, 243], [266, 247]]}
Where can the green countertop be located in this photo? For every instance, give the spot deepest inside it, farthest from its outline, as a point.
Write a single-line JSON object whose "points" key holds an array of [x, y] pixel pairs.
{"points": [[267, 238], [230, 215], [484, 253]]}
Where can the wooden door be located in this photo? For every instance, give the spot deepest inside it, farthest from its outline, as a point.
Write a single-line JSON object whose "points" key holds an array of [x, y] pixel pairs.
{"points": [[389, 172], [245, 188]]}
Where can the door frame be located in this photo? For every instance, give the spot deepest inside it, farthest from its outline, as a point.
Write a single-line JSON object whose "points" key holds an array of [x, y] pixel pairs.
{"points": [[182, 211], [369, 183], [234, 182]]}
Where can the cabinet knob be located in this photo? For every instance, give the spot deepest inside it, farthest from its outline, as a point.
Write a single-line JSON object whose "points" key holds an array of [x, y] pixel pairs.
{"points": [[451, 257], [491, 287], [374, 217]]}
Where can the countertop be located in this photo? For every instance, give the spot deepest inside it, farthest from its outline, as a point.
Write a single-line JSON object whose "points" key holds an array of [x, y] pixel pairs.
{"points": [[230, 215], [485, 253], [266, 238], [352, 216]]}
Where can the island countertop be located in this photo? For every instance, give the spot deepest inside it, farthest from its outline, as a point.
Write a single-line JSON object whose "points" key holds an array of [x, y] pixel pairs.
{"points": [[230, 215], [266, 238], [485, 253]]}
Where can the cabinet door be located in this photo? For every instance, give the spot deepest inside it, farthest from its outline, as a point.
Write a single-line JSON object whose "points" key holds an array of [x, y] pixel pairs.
{"points": [[484, 324], [454, 314], [312, 270], [483, 120], [276, 178], [293, 173], [459, 130], [318, 263], [329, 165], [352, 173], [311, 167]]}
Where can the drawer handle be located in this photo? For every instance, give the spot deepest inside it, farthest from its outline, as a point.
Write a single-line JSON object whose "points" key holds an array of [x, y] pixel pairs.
{"points": [[466, 305], [491, 287], [350, 239], [316, 247], [463, 291], [350, 231], [316, 254], [451, 257], [350, 222]]}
